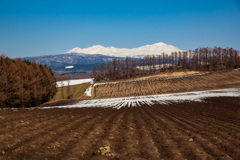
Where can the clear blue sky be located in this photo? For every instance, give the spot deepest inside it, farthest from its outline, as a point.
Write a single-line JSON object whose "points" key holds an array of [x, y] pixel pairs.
{"points": [[46, 27]]}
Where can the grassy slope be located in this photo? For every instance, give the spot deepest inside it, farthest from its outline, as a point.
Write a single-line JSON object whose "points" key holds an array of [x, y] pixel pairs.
{"points": [[77, 90]]}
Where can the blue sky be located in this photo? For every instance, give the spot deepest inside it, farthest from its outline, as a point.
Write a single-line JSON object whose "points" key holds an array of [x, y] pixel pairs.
{"points": [[46, 27]]}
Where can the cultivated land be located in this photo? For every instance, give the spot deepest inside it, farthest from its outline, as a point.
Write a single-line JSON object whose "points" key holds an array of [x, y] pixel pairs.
{"points": [[186, 130], [162, 85], [146, 127]]}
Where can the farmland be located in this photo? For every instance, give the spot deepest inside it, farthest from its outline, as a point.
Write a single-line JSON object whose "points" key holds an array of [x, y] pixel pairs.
{"points": [[186, 83], [206, 129], [143, 125]]}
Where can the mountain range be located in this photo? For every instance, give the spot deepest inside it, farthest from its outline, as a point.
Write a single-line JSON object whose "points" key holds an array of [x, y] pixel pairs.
{"points": [[139, 52], [87, 57], [79, 60]]}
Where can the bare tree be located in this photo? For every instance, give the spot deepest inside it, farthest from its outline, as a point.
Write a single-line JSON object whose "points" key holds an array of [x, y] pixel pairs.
{"points": [[62, 90], [69, 93]]}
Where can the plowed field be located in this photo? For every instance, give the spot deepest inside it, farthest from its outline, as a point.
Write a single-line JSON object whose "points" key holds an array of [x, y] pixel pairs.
{"points": [[186, 130], [165, 85]]}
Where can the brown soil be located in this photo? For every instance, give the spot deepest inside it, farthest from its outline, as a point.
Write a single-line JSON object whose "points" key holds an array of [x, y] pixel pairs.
{"points": [[188, 130], [215, 80]]}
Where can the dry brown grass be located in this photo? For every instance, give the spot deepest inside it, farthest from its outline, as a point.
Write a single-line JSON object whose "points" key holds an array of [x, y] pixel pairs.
{"points": [[156, 75], [215, 80], [168, 74]]}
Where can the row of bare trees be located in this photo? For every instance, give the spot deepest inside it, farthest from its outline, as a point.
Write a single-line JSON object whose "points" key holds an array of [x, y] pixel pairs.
{"points": [[24, 83], [205, 59]]}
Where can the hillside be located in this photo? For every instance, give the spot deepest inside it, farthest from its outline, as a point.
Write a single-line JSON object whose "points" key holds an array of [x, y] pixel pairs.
{"points": [[183, 130], [164, 85], [76, 91]]}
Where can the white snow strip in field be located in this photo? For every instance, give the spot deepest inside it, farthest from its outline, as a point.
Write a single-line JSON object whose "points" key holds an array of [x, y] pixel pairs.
{"points": [[153, 79], [88, 91], [74, 82], [153, 99]]}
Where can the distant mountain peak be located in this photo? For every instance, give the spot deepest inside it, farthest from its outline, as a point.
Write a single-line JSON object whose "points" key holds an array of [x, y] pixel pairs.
{"points": [[154, 49], [97, 46], [159, 44]]}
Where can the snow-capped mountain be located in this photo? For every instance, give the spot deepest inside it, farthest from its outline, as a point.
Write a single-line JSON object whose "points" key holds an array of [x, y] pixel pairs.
{"points": [[86, 58], [154, 49]]}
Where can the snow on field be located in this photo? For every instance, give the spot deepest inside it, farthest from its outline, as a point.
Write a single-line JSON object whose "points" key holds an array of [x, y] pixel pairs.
{"points": [[74, 82], [88, 91], [153, 79], [153, 99]]}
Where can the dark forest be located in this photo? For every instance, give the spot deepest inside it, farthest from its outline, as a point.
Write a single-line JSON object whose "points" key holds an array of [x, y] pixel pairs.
{"points": [[25, 83]]}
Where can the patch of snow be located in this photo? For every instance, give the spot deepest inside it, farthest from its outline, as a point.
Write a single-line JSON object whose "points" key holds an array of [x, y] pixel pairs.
{"points": [[152, 99], [74, 82], [237, 69], [88, 91], [157, 67]]}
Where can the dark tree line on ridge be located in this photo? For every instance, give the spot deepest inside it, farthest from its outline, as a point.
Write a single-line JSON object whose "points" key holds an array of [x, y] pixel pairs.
{"points": [[203, 59], [25, 83]]}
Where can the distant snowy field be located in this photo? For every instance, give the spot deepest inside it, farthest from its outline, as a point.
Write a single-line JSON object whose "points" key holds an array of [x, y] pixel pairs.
{"points": [[153, 99], [74, 82]]}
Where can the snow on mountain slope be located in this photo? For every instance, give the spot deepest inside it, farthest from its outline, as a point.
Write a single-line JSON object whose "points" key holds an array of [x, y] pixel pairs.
{"points": [[154, 49]]}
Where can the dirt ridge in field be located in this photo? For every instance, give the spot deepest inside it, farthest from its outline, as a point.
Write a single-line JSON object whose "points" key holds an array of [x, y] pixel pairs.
{"points": [[186, 130]]}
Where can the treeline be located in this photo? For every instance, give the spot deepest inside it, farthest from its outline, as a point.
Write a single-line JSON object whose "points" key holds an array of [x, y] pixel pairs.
{"points": [[204, 59], [25, 83]]}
